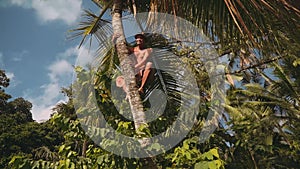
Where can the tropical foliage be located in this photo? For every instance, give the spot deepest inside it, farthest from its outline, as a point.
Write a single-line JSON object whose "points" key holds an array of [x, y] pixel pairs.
{"points": [[259, 127], [19, 134]]}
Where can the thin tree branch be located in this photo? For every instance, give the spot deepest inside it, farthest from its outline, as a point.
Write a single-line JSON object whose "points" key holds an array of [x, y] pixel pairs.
{"points": [[256, 65], [253, 159]]}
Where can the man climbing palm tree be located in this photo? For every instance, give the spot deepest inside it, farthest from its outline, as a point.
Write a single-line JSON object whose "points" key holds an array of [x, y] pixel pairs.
{"points": [[140, 56]]}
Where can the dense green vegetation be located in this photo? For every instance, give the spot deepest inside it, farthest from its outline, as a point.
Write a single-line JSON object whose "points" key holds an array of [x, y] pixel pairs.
{"points": [[19, 133], [259, 128]]}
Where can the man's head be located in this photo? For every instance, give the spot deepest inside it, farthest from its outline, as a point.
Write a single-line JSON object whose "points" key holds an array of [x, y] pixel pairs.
{"points": [[139, 39]]}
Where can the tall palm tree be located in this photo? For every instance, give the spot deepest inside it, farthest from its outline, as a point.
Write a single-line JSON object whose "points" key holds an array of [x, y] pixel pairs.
{"points": [[99, 27], [126, 66]]}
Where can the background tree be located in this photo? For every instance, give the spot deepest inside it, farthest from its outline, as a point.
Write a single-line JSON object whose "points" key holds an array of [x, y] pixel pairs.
{"points": [[19, 134]]}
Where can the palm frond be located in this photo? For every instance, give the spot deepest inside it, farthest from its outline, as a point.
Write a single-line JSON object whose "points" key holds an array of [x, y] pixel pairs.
{"points": [[168, 74], [286, 84], [90, 24], [270, 27]]}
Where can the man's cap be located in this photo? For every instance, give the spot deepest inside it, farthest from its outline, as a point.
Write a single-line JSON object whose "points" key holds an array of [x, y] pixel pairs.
{"points": [[139, 35]]}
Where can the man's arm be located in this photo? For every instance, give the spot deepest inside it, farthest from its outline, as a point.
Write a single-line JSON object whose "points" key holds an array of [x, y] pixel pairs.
{"points": [[142, 63]]}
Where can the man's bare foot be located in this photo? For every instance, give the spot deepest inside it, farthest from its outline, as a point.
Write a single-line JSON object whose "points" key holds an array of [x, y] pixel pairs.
{"points": [[141, 90], [127, 97]]}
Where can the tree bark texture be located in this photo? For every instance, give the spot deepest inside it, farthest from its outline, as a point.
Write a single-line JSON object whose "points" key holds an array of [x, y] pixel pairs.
{"points": [[127, 66]]}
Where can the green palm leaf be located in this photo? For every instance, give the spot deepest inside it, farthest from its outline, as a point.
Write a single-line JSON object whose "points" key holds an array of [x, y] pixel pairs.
{"points": [[91, 25]]}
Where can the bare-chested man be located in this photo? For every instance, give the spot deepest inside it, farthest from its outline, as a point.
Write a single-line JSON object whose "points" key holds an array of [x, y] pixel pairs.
{"points": [[142, 55], [141, 60]]}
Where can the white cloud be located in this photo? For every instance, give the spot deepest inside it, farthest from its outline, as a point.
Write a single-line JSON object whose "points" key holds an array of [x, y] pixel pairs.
{"points": [[13, 81], [51, 92], [66, 10], [51, 10], [59, 69], [42, 112], [46, 101], [60, 75], [85, 57], [20, 3], [10, 75], [72, 51]]}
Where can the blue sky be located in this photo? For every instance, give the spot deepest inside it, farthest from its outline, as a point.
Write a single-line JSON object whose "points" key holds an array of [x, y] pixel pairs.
{"points": [[34, 50]]}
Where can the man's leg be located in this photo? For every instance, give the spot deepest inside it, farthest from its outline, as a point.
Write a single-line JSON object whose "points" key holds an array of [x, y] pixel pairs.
{"points": [[145, 75]]}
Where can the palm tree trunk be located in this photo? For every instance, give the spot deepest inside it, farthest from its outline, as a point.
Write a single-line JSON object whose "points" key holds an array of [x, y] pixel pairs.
{"points": [[127, 67]]}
